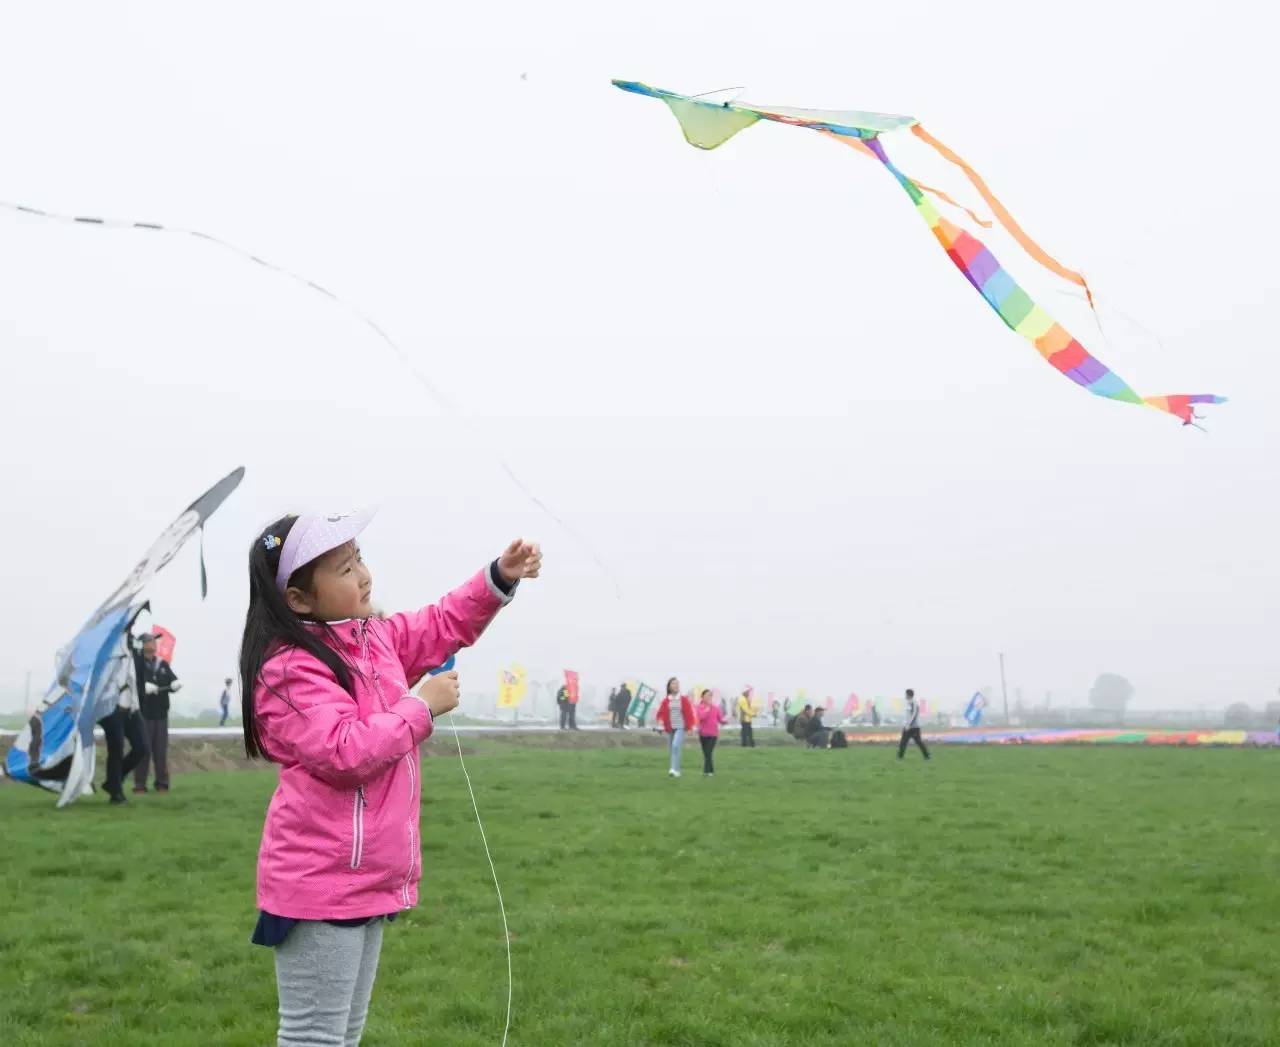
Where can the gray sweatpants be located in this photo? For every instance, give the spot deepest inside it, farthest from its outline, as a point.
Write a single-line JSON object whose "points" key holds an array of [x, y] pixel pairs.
{"points": [[157, 733], [324, 975]]}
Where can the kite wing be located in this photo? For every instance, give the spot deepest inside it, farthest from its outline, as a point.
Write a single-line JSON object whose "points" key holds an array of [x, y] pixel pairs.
{"points": [[166, 547], [708, 124], [55, 749]]}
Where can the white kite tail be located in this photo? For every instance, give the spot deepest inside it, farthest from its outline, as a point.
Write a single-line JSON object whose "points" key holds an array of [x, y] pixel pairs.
{"points": [[506, 935]]}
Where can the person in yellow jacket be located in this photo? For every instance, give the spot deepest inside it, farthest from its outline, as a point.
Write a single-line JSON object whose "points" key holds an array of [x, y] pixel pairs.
{"points": [[746, 713]]}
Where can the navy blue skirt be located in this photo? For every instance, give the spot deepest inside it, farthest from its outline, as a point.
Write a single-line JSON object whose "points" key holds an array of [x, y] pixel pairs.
{"points": [[272, 930]]}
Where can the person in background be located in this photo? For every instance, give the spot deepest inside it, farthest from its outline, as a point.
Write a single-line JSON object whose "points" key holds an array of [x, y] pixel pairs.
{"points": [[624, 705], [800, 728], [816, 732], [613, 708], [911, 727], [774, 710], [710, 717], [224, 702], [122, 722], [562, 700], [156, 682], [746, 713], [675, 716]]}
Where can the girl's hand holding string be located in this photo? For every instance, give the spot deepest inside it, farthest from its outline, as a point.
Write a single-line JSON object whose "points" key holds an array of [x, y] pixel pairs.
{"points": [[440, 693], [521, 559]]}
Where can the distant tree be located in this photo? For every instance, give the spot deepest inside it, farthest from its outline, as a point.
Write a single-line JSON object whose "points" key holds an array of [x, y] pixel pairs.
{"points": [[1111, 693], [1237, 715]]}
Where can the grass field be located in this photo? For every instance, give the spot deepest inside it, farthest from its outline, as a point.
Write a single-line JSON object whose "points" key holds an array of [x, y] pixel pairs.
{"points": [[994, 896]]}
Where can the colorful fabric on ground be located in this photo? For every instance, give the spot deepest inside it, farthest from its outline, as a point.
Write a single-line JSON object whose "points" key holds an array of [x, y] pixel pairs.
{"points": [[1079, 736], [708, 125]]}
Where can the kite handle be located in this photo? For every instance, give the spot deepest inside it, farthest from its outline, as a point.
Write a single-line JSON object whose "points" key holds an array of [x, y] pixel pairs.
{"points": [[442, 668]]}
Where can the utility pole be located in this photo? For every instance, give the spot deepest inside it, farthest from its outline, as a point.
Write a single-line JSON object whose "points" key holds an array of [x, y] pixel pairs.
{"points": [[1004, 690], [26, 701]]}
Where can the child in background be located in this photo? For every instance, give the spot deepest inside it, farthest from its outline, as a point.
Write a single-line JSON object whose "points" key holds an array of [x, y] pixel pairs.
{"points": [[710, 717], [675, 716]]}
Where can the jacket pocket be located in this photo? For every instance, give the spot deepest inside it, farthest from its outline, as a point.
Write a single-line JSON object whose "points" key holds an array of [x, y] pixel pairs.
{"points": [[358, 804]]}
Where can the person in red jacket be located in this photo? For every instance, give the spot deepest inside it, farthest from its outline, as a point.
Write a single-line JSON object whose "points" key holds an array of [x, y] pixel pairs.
{"points": [[675, 725]]}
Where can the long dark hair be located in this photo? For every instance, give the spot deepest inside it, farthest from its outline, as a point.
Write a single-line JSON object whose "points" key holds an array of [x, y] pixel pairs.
{"points": [[271, 624], [670, 682]]}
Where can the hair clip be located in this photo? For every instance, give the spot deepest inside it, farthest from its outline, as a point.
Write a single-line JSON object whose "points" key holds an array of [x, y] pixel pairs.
{"points": [[271, 541]]}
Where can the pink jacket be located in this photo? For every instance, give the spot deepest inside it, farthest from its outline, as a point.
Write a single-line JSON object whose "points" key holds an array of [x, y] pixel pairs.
{"points": [[341, 836], [709, 720]]}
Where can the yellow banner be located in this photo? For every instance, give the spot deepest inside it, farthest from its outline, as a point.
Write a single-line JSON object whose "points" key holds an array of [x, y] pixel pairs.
{"points": [[513, 685]]}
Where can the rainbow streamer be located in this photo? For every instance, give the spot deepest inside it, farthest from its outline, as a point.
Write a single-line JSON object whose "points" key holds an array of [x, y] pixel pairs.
{"points": [[708, 125]]}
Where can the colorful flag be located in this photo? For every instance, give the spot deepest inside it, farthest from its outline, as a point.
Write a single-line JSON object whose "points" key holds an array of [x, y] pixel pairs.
{"points": [[850, 705], [571, 686], [973, 711], [165, 643], [513, 685], [644, 696]]}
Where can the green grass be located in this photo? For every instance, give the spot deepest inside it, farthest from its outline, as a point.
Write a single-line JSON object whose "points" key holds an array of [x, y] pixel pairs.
{"points": [[994, 896]]}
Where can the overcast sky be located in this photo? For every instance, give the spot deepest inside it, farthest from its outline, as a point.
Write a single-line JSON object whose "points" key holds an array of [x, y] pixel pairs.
{"points": [[808, 453]]}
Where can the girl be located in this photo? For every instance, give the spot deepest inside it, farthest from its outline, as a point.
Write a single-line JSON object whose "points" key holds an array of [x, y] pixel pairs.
{"points": [[675, 716], [325, 687], [710, 717]]}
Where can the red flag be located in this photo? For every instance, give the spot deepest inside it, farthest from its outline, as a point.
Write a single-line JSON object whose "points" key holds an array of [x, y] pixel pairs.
{"points": [[850, 705], [165, 643], [571, 686]]}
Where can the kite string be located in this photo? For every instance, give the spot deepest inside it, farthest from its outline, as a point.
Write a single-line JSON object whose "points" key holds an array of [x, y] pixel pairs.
{"points": [[445, 402], [506, 934]]}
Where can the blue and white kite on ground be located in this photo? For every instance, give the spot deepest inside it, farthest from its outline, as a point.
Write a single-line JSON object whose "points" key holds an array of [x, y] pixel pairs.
{"points": [[55, 749]]}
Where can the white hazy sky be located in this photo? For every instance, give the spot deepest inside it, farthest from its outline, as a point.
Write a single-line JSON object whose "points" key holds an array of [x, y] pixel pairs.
{"points": [[809, 453]]}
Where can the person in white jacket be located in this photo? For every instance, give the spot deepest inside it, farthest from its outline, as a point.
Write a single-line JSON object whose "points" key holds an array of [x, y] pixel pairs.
{"points": [[123, 722], [911, 727]]}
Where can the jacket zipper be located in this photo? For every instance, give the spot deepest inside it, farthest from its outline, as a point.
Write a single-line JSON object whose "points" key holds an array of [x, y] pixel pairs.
{"points": [[358, 804], [357, 845], [373, 671], [413, 836]]}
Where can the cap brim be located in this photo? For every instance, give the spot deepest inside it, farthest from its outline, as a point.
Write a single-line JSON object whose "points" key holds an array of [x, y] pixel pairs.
{"points": [[317, 535]]}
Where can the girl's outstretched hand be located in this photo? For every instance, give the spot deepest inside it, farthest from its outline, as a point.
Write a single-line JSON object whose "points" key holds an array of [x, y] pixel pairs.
{"points": [[520, 560], [440, 692]]}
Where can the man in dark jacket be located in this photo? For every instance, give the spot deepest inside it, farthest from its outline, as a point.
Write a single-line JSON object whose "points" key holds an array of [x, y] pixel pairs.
{"points": [[816, 731], [800, 726], [156, 681], [568, 711], [624, 705]]}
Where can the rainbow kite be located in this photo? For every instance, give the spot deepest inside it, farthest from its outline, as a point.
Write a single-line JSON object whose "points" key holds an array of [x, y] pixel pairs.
{"points": [[708, 124]]}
